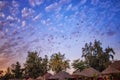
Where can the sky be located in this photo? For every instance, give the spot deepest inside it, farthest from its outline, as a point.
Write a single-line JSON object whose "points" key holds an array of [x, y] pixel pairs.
{"points": [[51, 26]]}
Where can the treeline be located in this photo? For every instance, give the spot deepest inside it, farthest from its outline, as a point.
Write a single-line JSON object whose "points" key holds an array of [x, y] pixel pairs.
{"points": [[94, 56]]}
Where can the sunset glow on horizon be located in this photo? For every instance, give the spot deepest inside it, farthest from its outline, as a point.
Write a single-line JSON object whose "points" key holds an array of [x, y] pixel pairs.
{"points": [[51, 26]]}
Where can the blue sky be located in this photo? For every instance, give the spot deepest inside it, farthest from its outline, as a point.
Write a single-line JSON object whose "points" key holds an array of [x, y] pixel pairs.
{"points": [[50, 26]]}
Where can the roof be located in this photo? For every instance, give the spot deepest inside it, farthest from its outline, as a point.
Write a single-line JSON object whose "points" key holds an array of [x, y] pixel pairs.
{"points": [[110, 70], [116, 64], [62, 75], [76, 71], [39, 78], [47, 75], [30, 79], [88, 72]]}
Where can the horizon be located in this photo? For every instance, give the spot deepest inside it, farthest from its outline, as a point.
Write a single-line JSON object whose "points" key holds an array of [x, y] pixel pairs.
{"points": [[48, 27]]}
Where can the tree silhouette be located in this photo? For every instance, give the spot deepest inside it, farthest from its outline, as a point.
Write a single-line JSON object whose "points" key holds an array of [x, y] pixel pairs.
{"points": [[16, 70]]}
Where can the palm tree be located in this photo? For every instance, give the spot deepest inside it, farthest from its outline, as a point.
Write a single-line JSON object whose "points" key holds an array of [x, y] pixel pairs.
{"points": [[66, 64], [96, 57], [79, 64], [58, 63]]}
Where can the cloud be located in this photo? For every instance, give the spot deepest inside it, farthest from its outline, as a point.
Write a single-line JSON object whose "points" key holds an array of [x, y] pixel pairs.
{"points": [[2, 35], [15, 4], [37, 17], [2, 15], [43, 22], [59, 17], [33, 3], [111, 33], [15, 32], [39, 2], [51, 7], [13, 44], [69, 7], [6, 45], [94, 2], [2, 24], [10, 18], [35, 40], [56, 5], [64, 1], [14, 11], [23, 23], [5, 59], [3, 5], [46, 22], [105, 4], [27, 13], [83, 2]]}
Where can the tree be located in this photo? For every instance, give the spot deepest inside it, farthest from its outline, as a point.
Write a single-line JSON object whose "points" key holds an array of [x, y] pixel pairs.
{"points": [[45, 65], [79, 64], [8, 75], [58, 62], [96, 57], [1, 73], [35, 65], [16, 70]]}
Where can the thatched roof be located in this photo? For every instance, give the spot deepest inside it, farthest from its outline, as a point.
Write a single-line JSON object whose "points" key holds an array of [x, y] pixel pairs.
{"points": [[62, 75], [76, 71], [88, 72], [110, 70], [30, 79], [47, 75], [116, 64], [39, 78]]}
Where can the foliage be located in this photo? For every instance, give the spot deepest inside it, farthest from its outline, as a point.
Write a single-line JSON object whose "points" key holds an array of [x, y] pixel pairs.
{"points": [[16, 70], [35, 65], [79, 65], [1, 73], [58, 62], [96, 57], [8, 75], [45, 65]]}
